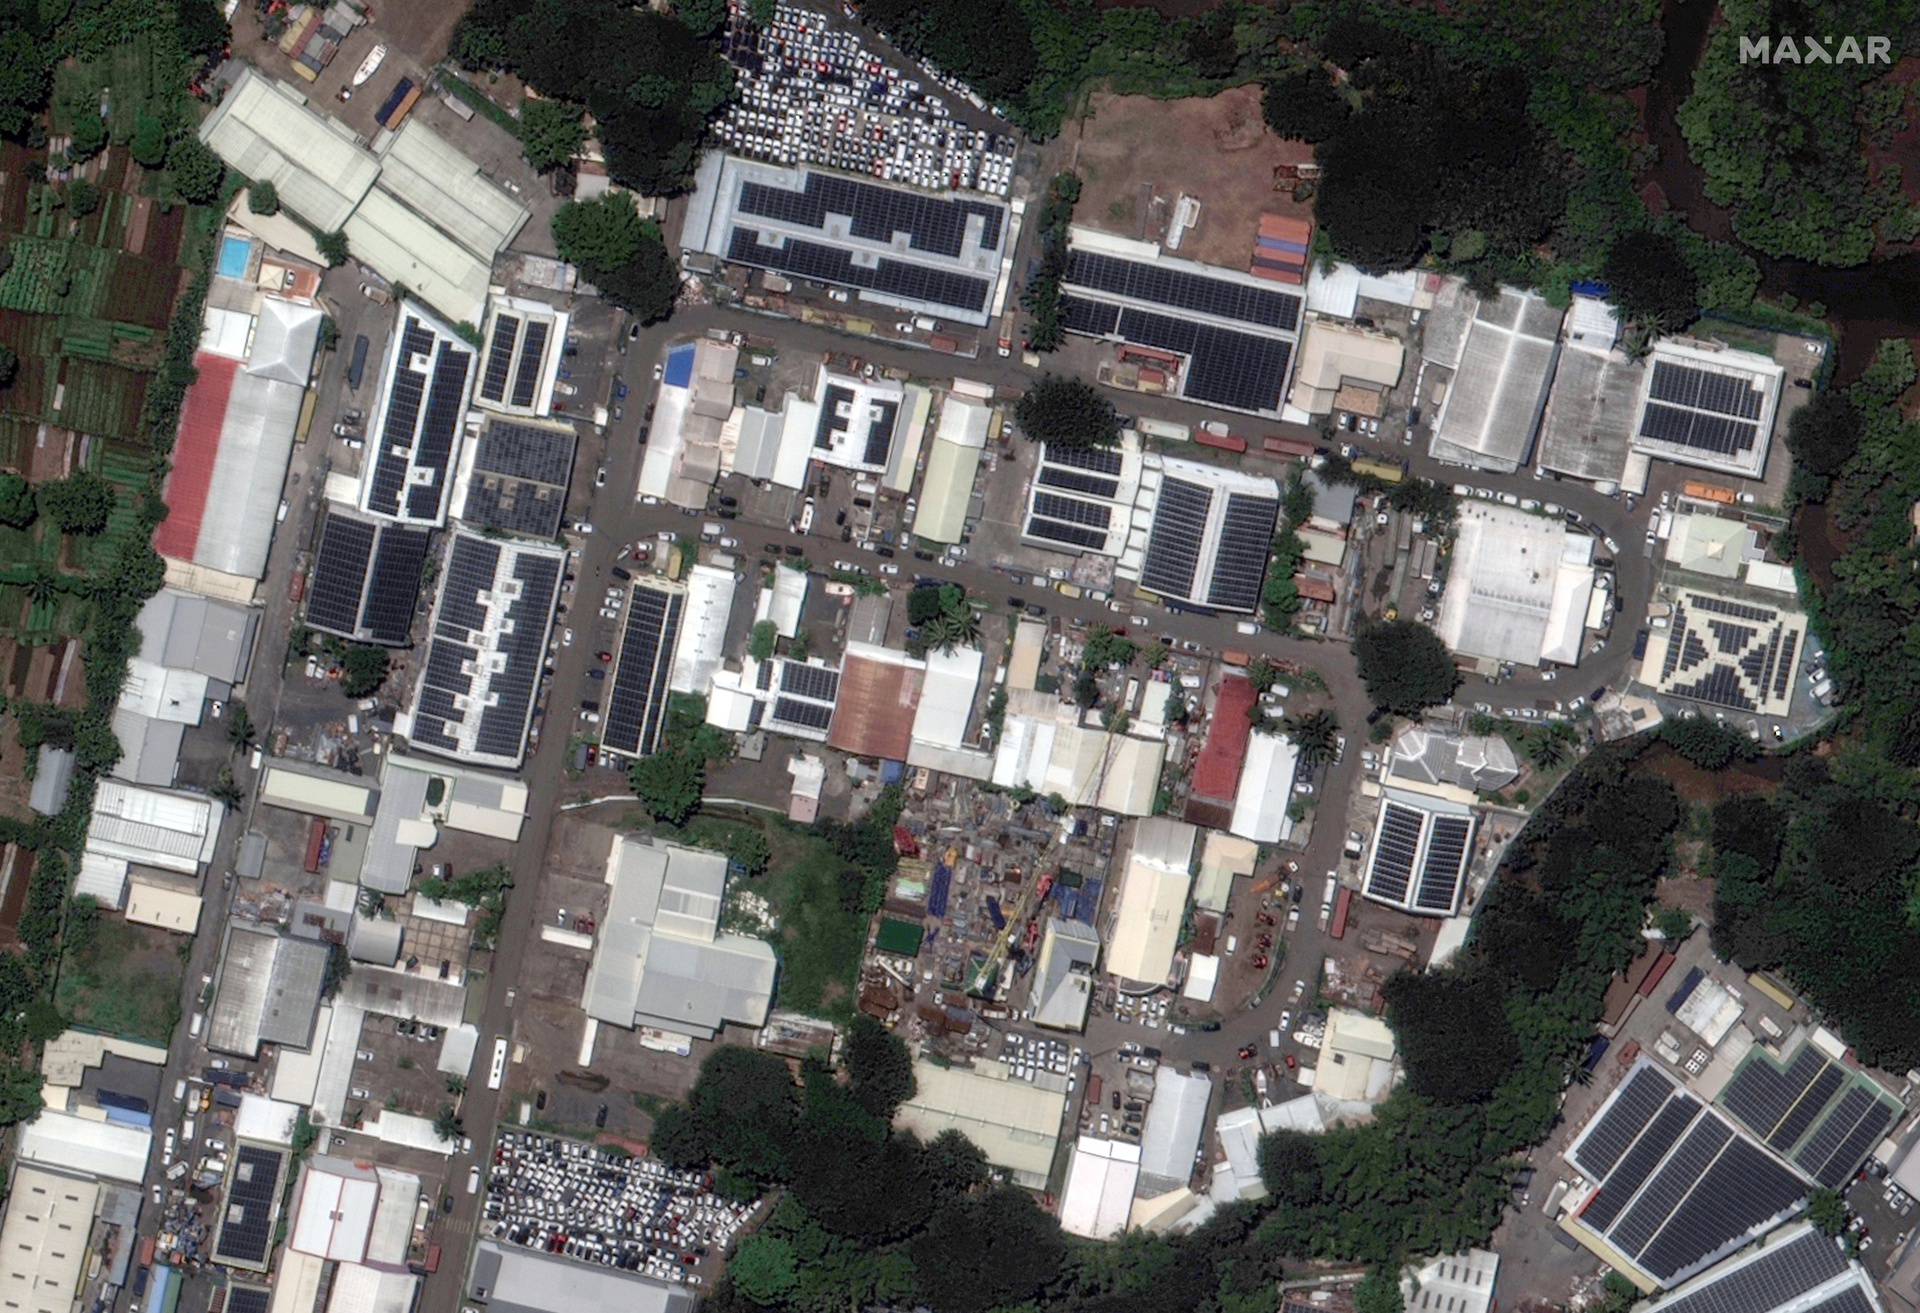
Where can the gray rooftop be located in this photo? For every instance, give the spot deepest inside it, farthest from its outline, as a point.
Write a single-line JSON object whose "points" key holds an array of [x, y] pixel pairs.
{"points": [[389, 864], [1064, 988], [184, 632], [149, 747], [1480, 762], [660, 959], [374, 940], [52, 774], [1588, 426], [269, 992], [508, 1279]]}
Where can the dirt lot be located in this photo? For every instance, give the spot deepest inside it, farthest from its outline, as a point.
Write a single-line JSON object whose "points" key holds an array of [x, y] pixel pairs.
{"points": [[1136, 156]]}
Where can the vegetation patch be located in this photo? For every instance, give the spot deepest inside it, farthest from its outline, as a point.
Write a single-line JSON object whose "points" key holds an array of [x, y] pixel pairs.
{"points": [[119, 978]]}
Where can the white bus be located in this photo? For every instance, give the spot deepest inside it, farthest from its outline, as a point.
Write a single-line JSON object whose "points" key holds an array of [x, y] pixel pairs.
{"points": [[497, 1072]]}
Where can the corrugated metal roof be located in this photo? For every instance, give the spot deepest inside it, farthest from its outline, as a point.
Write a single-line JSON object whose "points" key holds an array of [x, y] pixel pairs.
{"points": [[267, 131]]}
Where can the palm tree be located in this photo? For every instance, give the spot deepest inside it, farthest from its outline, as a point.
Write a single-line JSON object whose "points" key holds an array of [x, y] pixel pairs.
{"points": [[1315, 734], [42, 588], [1548, 747], [239, 725]]}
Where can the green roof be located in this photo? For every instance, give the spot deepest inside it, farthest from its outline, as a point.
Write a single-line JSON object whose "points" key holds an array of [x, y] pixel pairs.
{"points": [[901, 938]]}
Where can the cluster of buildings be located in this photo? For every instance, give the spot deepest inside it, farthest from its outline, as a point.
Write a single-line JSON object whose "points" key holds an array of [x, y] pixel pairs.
{"points": [[1718, 1110]]}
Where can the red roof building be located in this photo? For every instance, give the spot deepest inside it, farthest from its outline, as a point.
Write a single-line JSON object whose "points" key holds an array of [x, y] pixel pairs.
{"points": [[1216, 775]]}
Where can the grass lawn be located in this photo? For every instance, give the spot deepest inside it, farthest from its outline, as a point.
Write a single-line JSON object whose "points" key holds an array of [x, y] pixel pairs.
{"points": [[820, 942], [126, 983]]}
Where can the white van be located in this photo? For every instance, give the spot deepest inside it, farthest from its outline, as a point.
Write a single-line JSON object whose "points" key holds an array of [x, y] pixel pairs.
{"points": [[198, 1024]]}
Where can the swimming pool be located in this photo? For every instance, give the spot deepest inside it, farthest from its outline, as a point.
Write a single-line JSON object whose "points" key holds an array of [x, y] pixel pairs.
{"points": [[236, 254]]}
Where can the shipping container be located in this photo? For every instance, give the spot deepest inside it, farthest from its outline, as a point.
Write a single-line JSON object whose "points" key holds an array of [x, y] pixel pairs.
{"points": [[1220, 443], [1340, 910], [1634, 480], [1233, 656], [1707, 492], [1385, 471], [316, 840], [1094, 1087], [357, 366], [1162, 428], [1296, 447]]}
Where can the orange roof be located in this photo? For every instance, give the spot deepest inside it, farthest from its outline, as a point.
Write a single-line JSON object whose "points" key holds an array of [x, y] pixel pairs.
{"points": [[1286, 228], [874, 717]]}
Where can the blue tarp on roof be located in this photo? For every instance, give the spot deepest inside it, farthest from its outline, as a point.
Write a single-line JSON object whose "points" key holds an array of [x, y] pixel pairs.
{"points": [[1089, 901], [679, 369], [937, 895]]}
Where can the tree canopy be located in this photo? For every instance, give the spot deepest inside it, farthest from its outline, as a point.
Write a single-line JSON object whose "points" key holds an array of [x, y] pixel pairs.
{"points": [[649, 80], [80, 503], [1304, 105], [363, 669], [620, 253], [1067, 412], [1652, 281], [263, 197], [1405, 666], [551, 133]]}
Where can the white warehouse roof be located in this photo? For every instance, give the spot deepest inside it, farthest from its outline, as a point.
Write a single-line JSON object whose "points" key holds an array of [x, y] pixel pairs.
{"points": [[1098, 1197], [267, 131]]}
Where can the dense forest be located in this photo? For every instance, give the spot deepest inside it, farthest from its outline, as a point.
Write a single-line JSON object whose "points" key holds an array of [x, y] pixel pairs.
{"points": [[1489, 1042]]}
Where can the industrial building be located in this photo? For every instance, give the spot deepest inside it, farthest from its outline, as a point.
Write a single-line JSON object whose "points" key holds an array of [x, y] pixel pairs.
{"points": [[635, 715], [1049, 746], [1356, 1062], [1452, 1283], [514, 477], [1726, 651], [235, 439], [43, 1241], [1418, 855], [1493, 404], [1014, 1123], [1519, 588], [137, 826], [1708, 405], [879, 696], [1586, 431], [1430, 755], [1081, 499], [1336, 357], [703, 632], [488, 641], [1812, 1108], [84, 1146], [1710, 545], [921, 253], [509, 1279], [1794, 1270], [521, 356], [794, 698], [366, 577], [419, 414], [1098, 1197], [1063, 977], [1672, 1185], [1207, 536], [1153, 901], [660, 959], [1176, 1121], [953, 462], [250, 1210], [268, 991], [693, 424], [1223, 337], [1266, 789], [418, 212], [193, 651]]}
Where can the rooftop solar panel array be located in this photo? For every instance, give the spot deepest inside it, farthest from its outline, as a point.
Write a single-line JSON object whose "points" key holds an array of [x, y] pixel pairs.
{"points": [[1679, 1187], [1093, 318], [1395, 850], [488, 648], [636, 713], [366, 579], [1099, 460], [526, 451], [499, 368], [248, 1299], [1093, 485], [1177, 537], [1702, 409], [339, 578], [809, 714], [934, 225], [1722, 652], [1774, 1277], [1240, 560], [526, 373], [1077, 537], [832, 264], [816, 682], [425, 401], [1445, 867], [246, 1221], [1705, 390], [1238, 370], [1217, 298], [1837, 1147], [1850, 1300]]}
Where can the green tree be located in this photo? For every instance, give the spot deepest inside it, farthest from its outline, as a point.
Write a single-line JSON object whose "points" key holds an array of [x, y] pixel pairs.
{"points": [[741, 1116], [762, 12], [702, 17], [263, 197], [1652, 281], [446, 1123], [1108, 647], [1302, 104], [1824, 434], [987, 1251], [669, 785], [1067, 412], [333, 248], [1405, 666], [25, 71], [600, 234], [551, 133], [80, 503], [1827, 1211], [879, 1067], [1673, 923], [761, 642], [17, 505], [9, 366], [363, 669], [148, 144], [645, 287], [1316, 734], [1291, 1168], [89, 138], [1708, 744], [480, 46], [197, 173], [1453, 1033], [1379, 1292], [764, 1269], [83, 198]]}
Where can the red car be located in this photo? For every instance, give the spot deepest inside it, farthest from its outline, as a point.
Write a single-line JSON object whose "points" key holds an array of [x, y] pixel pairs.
{"points": [[1266, 941], [1291, 1064], [605, 657], [1260, 962], [1264, 919], [1247, 1052]]}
